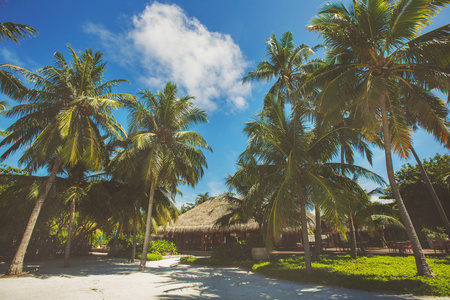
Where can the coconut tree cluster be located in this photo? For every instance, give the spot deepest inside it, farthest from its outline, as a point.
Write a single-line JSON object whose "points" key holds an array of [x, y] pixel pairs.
{"points": [[64, 123], [373, 87]]}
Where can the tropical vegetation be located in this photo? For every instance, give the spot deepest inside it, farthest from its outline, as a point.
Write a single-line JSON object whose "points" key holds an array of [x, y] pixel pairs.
{"points": [[88, 181], [376, 53], [163, 152], [413, 188]]}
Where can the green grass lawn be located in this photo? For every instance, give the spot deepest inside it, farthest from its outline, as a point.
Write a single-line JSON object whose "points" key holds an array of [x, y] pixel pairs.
{"points": [[371, 273]]}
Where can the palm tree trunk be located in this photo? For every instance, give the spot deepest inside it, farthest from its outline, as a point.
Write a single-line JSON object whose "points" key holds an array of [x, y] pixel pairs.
{"points": [[433, 192], [69, 233], [318, 235], [383, 238], [16, 266], [135, 221], [112, 251], [304, 224], [423, 269], [147, 227], [353, 249]]}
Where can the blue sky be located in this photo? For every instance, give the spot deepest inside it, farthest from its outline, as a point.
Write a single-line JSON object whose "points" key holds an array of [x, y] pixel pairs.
{"points": [[206, 47]]}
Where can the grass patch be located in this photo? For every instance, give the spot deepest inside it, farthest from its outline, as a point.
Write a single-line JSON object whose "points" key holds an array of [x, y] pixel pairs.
{"points": [[152, 256], [370, 273]]}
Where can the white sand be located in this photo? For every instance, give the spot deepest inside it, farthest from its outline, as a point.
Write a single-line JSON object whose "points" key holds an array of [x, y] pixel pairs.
{"points": [[103, 278]]}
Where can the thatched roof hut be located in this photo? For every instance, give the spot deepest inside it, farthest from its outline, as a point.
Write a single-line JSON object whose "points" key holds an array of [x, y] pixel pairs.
{"points": [[204, 216], [196, 229]]}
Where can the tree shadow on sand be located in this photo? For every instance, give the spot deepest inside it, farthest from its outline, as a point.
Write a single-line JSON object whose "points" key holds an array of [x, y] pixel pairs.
{"points": [[197, 282], [170, 280]]}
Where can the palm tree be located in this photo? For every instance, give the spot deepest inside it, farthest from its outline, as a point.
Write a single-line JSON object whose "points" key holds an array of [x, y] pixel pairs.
{"points": [[61, 121], [292, 169], [202, 198], [375, 48], [9, 31], [287, 65], [163, 151]]}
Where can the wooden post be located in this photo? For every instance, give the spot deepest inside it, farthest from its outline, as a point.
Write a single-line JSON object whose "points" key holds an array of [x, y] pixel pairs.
{"points": [[184, 241], [203, 241], [221, 237]]}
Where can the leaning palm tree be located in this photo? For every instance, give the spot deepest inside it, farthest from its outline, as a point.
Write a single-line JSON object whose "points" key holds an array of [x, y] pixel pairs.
{"points": [[163, 151], [374, 48], [292, 169], [61, 122]]}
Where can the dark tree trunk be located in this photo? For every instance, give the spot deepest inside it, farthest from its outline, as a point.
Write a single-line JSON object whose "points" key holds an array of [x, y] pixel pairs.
{"points": [[16, 266], [147, 227], [318, 236], [433, 192], [135, 221], [353, 248], [69, 233], [423, 269], [112, 250], [304, 223]]}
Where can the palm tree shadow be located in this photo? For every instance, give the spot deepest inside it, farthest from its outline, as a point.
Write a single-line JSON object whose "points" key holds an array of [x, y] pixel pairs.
{"points": [[199, 282], [178, 281]]}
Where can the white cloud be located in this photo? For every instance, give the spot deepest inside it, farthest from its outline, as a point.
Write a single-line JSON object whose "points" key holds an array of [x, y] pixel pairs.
{"points": [[215, 188], [114, 44], [377, 199], [11, 57], [173, 46]]}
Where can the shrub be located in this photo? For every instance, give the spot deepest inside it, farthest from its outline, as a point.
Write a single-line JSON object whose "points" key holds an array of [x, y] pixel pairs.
{"points": [[235, 250], [152, 256], [155, 246], [162, 246]]}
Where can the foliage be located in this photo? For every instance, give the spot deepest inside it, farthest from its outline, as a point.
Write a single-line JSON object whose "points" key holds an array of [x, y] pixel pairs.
{"points": [[9, 84], [7, 181], [381, 73], [201, 198], [186, 207], [293, 170], [152, 256], [371, 273], [163, 152], [162, 247], [287, 65], [438, 234], [237, 250], [416, 195]]}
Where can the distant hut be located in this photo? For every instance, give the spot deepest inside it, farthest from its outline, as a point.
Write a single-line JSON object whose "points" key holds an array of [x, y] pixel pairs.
{"points": [[196, 229]]}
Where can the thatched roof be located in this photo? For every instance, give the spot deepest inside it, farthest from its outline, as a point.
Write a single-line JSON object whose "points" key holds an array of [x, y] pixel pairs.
{"points": [[204, 216]]}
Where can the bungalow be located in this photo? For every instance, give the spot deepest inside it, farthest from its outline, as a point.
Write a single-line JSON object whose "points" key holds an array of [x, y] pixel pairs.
{"points": [[196, 229]]}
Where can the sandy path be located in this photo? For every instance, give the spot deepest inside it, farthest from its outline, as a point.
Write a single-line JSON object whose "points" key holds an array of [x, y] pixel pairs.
{"points": [[101, 278]]}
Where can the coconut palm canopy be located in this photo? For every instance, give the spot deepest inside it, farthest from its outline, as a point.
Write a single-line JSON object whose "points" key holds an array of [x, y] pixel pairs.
{"points": [[204, 217]]}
